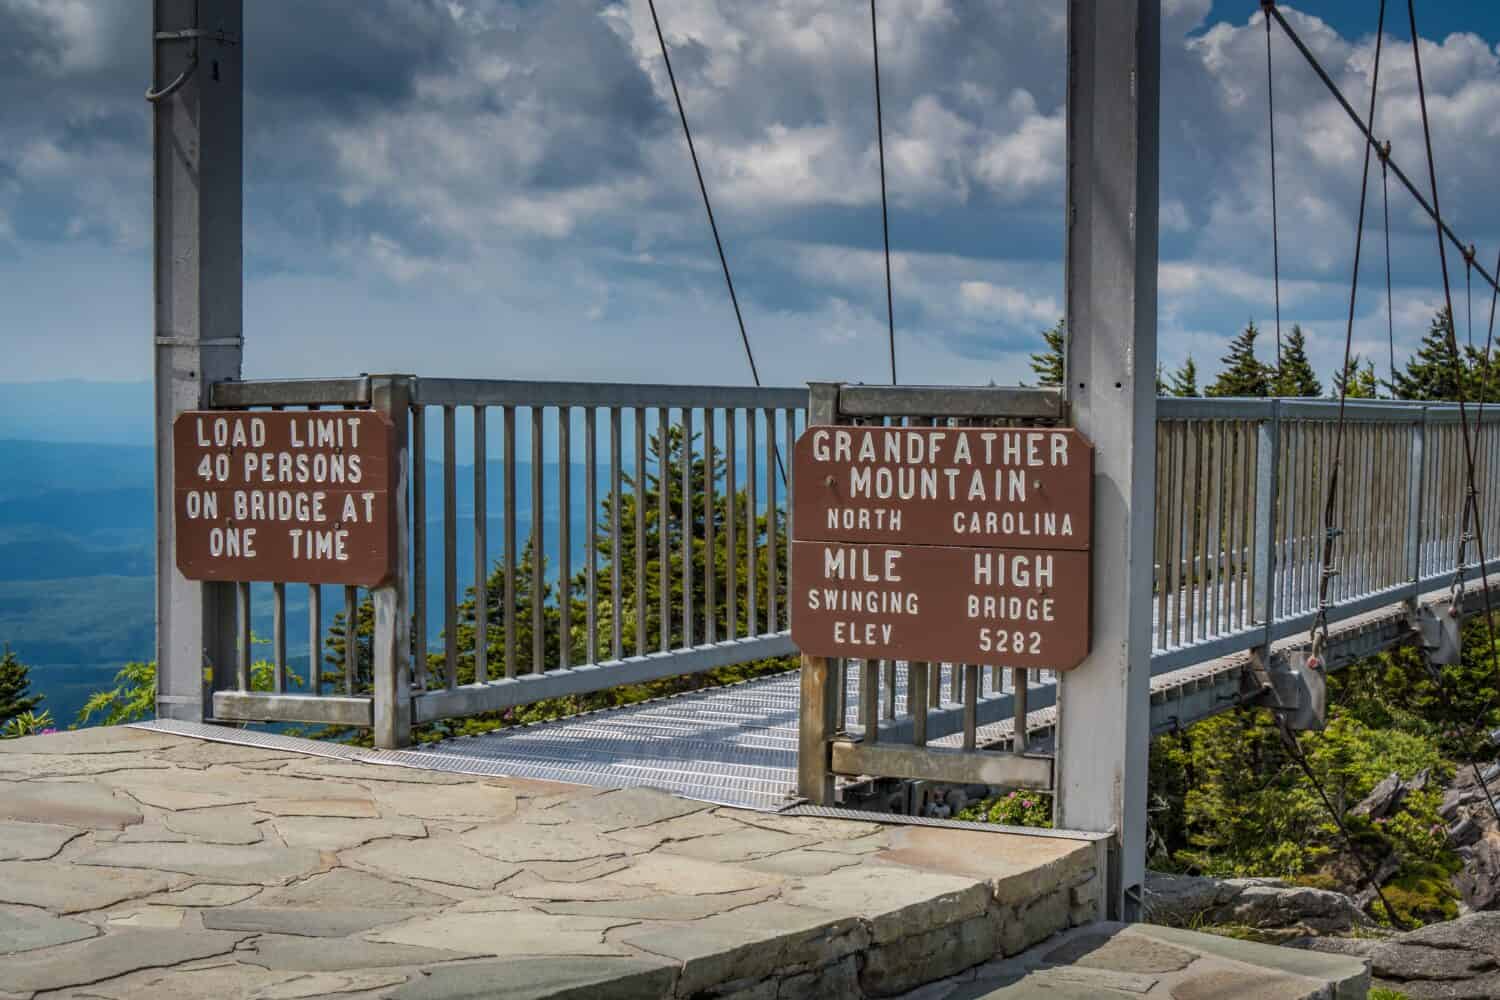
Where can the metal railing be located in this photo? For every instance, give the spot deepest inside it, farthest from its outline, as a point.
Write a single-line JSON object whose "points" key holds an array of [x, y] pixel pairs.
{"points": [[598, 535], [1240, 487]]}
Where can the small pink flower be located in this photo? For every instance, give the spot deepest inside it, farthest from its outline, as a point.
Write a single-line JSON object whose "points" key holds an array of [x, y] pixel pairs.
{"points": [[1025, 803], [1381, 822], [1011, 795], [48, 730]]}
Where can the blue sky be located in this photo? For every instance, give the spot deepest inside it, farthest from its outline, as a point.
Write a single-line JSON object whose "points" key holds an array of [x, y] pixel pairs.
{"points": [[502, 190]]}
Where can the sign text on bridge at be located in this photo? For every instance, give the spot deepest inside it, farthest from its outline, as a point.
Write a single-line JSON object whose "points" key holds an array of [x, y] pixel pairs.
{"points": [[284, 496]]}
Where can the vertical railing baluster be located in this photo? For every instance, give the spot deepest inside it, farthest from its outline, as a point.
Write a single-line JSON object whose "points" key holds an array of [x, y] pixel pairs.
{"points": [[1268, 441], [509, 427], [1291, 563], [1209, 576], [538, 547], [242, 645], [450, 549], [314, 632], [687, 528], [1161, 532], [642, 605], [663, 517], [1020, 696], [314, 639], [591, 501], [419, 542], [1174, 532], [752, 532], [790, 450], [616, 552], [971, 705], [278, 638], [351, 636], [773, 563], [564, 537], [710, 570], [869, 699], [1190, 498], [481, 551], [731, 526], [888, 689], [916, 696]]}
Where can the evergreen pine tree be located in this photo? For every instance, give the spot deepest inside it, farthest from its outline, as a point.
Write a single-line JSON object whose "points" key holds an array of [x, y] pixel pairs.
{"points": [[1185, 379], [15, 687], [1295, 375], [1431, 373], [1048, 364], [1360, 377], [1243, 374]]}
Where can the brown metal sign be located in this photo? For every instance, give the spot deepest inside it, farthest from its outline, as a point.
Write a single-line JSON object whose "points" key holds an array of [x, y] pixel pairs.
{"points": [[293, 497], [990, 487], [1006, 607]]}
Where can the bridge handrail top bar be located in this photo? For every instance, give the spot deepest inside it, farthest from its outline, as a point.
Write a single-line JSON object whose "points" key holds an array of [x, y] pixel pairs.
{"points": [[506, 392], [1298, 408], [513, 392], [937, 401], [292, 392], [854, 400]]}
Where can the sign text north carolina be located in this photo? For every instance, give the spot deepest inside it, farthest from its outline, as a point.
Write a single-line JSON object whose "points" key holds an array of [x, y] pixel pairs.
{"points": [[284, 496], [985, 486]]}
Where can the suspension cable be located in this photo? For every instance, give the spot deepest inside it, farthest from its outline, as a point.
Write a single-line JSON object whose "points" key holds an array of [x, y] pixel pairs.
{"points": [[885, 221], [1471, 503], [1319, 635], [1444, 228], [1289, 739], [1275, 228], [703, 189], [1469, 291], [1390, 319]]}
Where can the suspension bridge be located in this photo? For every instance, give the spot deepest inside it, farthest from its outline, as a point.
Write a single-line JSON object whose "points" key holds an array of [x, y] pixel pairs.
{"points": [[552, 540]]}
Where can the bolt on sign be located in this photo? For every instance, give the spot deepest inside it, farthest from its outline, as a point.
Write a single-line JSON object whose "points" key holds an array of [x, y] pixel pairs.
{"points": [[285, 497], [946, 544]]}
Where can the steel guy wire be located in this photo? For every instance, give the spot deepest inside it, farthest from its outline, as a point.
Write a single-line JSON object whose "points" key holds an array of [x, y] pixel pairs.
{"points": [[885, 222]]}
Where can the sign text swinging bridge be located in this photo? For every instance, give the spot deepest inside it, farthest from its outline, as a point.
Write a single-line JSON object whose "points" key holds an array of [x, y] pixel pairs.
{"points": [[1204, 541]]}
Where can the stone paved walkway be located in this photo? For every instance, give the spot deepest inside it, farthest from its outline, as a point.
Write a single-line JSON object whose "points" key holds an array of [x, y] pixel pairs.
{"points": [[138, 864]]}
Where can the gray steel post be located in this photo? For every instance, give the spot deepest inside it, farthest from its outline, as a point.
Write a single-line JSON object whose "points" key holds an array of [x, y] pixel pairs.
{"points": [[391, 643], [1416, 491], [1263, 554], [822, 706], [1114, 56], [197, 139]]}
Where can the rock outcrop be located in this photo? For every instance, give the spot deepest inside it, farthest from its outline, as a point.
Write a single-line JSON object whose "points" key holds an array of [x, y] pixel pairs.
{"points": [[1454, 960], [1266, 904]]}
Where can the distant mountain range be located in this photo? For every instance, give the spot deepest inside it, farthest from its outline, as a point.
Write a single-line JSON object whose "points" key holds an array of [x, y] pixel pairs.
{"points": [[76, 559]]}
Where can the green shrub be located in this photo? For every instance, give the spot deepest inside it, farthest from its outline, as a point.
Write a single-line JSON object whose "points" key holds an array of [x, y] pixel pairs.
{"points": [[1012, 809]]}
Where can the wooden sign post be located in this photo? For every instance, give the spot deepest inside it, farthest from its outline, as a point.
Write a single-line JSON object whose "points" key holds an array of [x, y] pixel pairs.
{"points": [[951, 544]]}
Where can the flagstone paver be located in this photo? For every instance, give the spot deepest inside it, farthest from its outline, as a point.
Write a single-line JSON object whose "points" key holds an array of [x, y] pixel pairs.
{"points": [[22, 929], [33, 841], [66, 888], [433, 861], [332, 833], [507, 932], [68, 803], [253, 865], [146, 866]]}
